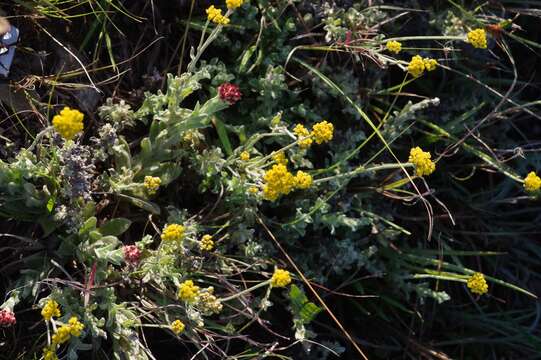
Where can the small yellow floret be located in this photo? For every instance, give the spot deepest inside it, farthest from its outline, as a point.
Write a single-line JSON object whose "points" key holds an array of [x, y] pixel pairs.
{"points": [[280, 278], [173, 232], [233, 4], [532, 182], [206, 243], [421, 159], [280, 158], [303, 180], [215, 15], [177, 326], [253, 190], [188, 291], [245, 156], [75, 326], [430, 64], [68, 123], [394, 46], [152, 184], [478, 38], [304, 135], [416, 66], [477, 284], [50, 310], [323, 131]]}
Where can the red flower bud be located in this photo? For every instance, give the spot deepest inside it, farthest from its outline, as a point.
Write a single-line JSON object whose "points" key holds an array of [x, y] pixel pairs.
{"points": [[229, 93], [7, 318], [132, 254]]}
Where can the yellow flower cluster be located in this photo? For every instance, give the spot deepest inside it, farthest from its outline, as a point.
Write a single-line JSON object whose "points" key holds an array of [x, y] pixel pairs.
{"points": [[394, 46], [206, 243], [422, 161], [477, 284], [68, 123], [208, 303], [304, 134], [245, 156], [177, 326], [280, 158], [49, 353], [532, 182], [478, 38], [303, 180], [75, 326], [62, 335], [430, 64], [323, 131], [152, 184], [278, 181], [188, 291], [233, 4], [50, 310], [280, 278], [215, 15], [64, 332], [418, 65], [173, 232]]}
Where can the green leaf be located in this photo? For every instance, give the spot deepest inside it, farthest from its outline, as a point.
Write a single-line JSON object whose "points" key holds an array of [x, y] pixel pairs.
{"points": [[89, 225], [222, 134], [145, 205], [302, 309], [115, 226]]}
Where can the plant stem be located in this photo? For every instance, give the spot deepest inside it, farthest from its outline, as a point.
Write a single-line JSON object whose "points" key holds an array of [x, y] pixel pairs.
{"points": [[361, 170], [264, 283]]}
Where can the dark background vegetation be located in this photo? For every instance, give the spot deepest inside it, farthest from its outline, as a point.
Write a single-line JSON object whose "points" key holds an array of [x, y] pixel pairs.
{"points": [[129, 52]]}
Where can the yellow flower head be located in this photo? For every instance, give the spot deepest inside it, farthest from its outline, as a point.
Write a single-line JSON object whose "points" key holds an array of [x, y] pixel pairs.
{"points": [[50, 310], [62, 334], [532, 182], [177, 326], [215, 15], [421, 159], [477, 284], [68, 123], [278, 181], [75, 326], [280, 158], [430, 64], [206, 243], [173, 232], [394, 46], [233, 4], [188, 291], [416, 67], [303, 180], [245, 156], [253, 190], [323, 131], [304, 134], [152, 184], [478, 38], [280, 278], [49, 353]]}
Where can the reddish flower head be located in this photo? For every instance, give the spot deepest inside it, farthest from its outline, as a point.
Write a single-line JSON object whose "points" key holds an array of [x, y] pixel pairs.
{"points": [[229, 93], [132, 254], [7, 318]]}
